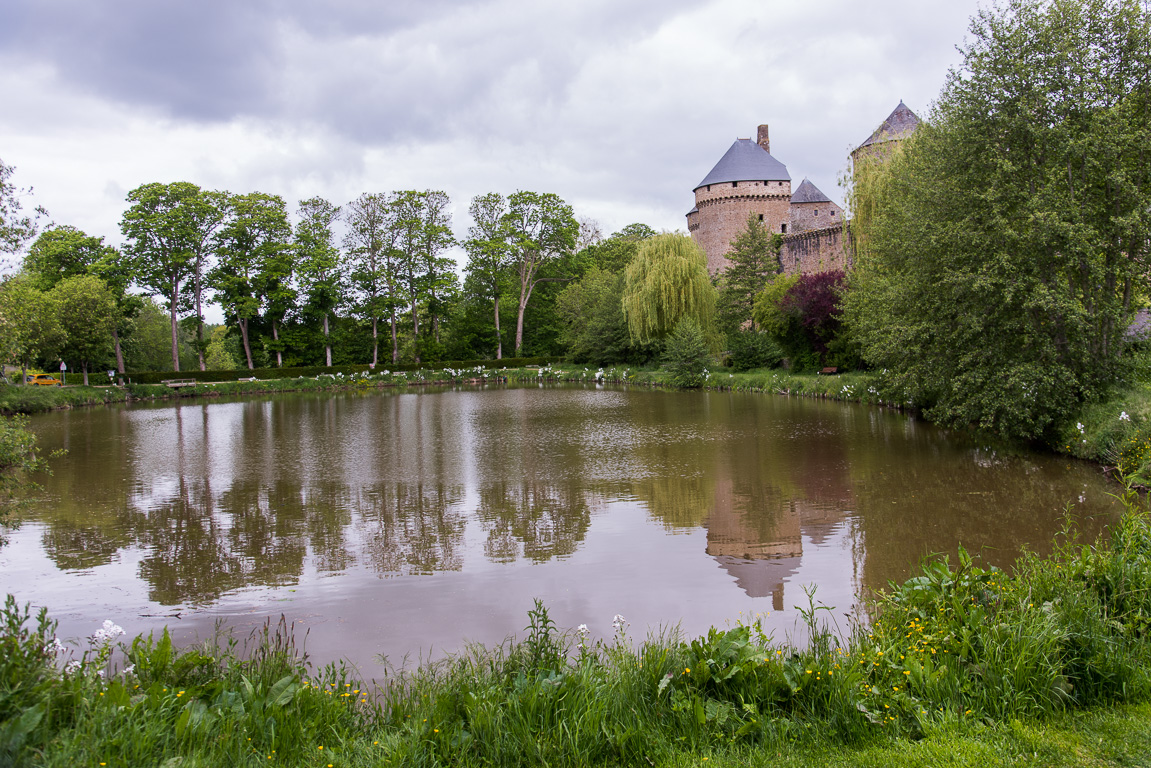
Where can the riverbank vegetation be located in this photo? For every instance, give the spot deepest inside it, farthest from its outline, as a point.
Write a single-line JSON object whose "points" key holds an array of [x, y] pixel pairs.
{"points": [[960, 659]]}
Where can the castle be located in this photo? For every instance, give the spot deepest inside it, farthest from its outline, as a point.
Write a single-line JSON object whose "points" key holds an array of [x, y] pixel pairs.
{"points": [[748, 180]]}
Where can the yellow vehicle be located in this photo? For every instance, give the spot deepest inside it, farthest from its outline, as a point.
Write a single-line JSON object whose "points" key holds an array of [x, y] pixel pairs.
{"points": [[42, 380]]}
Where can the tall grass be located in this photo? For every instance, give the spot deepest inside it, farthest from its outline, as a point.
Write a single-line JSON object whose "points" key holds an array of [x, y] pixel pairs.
{"points": [[954, 648]]}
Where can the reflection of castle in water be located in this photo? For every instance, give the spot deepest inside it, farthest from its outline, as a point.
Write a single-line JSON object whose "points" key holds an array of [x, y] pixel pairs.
{"points": [[757, 537]]}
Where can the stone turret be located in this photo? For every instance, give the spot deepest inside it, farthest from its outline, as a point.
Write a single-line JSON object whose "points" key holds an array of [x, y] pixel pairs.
{"points": [[746, 181], [811, 209], [900, 124]]}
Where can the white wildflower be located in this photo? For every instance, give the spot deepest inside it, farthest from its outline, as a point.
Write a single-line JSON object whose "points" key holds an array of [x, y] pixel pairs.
{"points": [[1123, 416], [619, 622], [1079, 426]]}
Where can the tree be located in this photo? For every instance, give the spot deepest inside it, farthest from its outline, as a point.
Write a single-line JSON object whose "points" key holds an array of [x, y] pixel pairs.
{"points": [[665, 282], [64, 251], [686, 354], [370, 243], [162, 242], [489, 252], [1011, 234], [595, 329], [318, 266], [435, 238], [802, 314], [16, 227], [540, 227], [29, 322], [753, 261], [206, 213], [253, 246], [87, 314]]}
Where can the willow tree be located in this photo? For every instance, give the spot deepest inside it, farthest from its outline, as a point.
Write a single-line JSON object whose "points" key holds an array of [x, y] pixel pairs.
{"points": [[665, 282]]}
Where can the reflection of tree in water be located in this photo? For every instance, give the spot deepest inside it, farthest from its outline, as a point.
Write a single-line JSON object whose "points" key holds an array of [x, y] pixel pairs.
{"points": [[678, 501], [77, 540], [189, 560], [267, 531], [328, 513], [532, 520], [410, 529]]}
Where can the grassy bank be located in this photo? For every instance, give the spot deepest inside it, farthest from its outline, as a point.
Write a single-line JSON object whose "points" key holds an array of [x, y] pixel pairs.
{"points": [[963, 665]]}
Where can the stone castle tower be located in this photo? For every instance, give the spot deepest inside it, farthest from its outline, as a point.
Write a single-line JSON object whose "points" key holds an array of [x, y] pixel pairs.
{"points": [[749, 180]]}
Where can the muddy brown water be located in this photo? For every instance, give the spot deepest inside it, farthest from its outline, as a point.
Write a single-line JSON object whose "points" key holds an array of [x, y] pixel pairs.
{"points": [[406, 524]]}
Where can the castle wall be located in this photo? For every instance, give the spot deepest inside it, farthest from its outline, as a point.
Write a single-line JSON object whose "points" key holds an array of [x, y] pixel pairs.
{"points": [[816, 250], [806, 216], [723, 212]]}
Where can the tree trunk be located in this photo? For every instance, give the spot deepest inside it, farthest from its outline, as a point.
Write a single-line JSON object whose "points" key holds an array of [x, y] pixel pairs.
{"points": [[499, 336], [328, 342], [84, 367], [276, 339], [520, 323], [199, 289], [175, 338], [375, 346], [395, 341], [119, 351], [415, 334], [247, 349]]}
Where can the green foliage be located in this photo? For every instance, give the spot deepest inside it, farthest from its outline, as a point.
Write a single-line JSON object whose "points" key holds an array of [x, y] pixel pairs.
{"points": [[29, 321], [18, 459], [801, 314], [686, 356], [748, 349], [87, 311], [222, 351], [595, 329], [1010, 234], [753, 262], [665, 282]]}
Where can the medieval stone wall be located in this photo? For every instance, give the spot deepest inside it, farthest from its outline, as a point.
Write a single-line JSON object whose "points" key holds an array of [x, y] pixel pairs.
{"points": [[806, 216], [816, 250], [723, 213]]}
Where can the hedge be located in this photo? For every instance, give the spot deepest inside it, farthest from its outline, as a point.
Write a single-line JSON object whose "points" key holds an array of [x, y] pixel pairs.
{"points": [[157, 377]]}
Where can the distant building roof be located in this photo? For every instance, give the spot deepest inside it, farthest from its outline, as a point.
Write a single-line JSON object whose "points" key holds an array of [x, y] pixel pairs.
{"points": [[898, 125], [746, 161], [809, 193]]}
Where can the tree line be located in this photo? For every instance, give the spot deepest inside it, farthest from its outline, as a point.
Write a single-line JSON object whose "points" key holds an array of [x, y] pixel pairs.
{"points": [[337, 285]]}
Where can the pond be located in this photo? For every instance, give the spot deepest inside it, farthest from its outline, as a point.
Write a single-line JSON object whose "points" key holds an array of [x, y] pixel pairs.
{"points": [[403, 524]]}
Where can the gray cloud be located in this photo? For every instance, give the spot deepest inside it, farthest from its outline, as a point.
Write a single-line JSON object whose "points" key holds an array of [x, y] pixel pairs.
{"points": [[620, 107]]}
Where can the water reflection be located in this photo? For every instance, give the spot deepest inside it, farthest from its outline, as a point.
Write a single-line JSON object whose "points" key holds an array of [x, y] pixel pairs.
{"points": [[735, 499]]}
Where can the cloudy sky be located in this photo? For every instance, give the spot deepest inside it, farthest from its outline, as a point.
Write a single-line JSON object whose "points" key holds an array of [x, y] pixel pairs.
{"points": [[621, 107]]}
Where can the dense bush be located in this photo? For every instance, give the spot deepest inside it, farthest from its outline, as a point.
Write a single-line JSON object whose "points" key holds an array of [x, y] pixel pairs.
{"points": [[157, 377]]}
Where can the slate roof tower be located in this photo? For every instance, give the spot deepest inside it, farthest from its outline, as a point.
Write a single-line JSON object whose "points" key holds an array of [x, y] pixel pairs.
{"points": [[746, 181]]}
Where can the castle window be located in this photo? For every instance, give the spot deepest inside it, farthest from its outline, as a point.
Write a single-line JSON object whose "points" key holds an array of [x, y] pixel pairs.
{"points": [[783, 228], [833, 213], [734, 184], [816, 211], [708, 187], [761, 217]]}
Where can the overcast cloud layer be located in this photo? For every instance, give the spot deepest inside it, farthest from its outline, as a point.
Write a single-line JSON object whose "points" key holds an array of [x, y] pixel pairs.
{"points": [[619, 107]]}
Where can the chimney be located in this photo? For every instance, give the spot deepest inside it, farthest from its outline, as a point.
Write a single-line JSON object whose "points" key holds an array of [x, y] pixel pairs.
{"points": [[762, 140]]}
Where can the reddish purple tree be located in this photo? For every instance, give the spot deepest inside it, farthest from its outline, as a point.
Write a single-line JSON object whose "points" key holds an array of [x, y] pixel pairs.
{"points": [[814, 303]]}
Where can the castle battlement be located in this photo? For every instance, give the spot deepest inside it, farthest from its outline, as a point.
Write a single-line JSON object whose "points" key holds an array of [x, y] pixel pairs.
{"points": [[749, 181]]}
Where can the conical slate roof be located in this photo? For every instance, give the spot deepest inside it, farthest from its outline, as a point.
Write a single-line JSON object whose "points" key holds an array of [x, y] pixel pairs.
{"points": [[746, 161], [809, 193], [898, 125]]}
